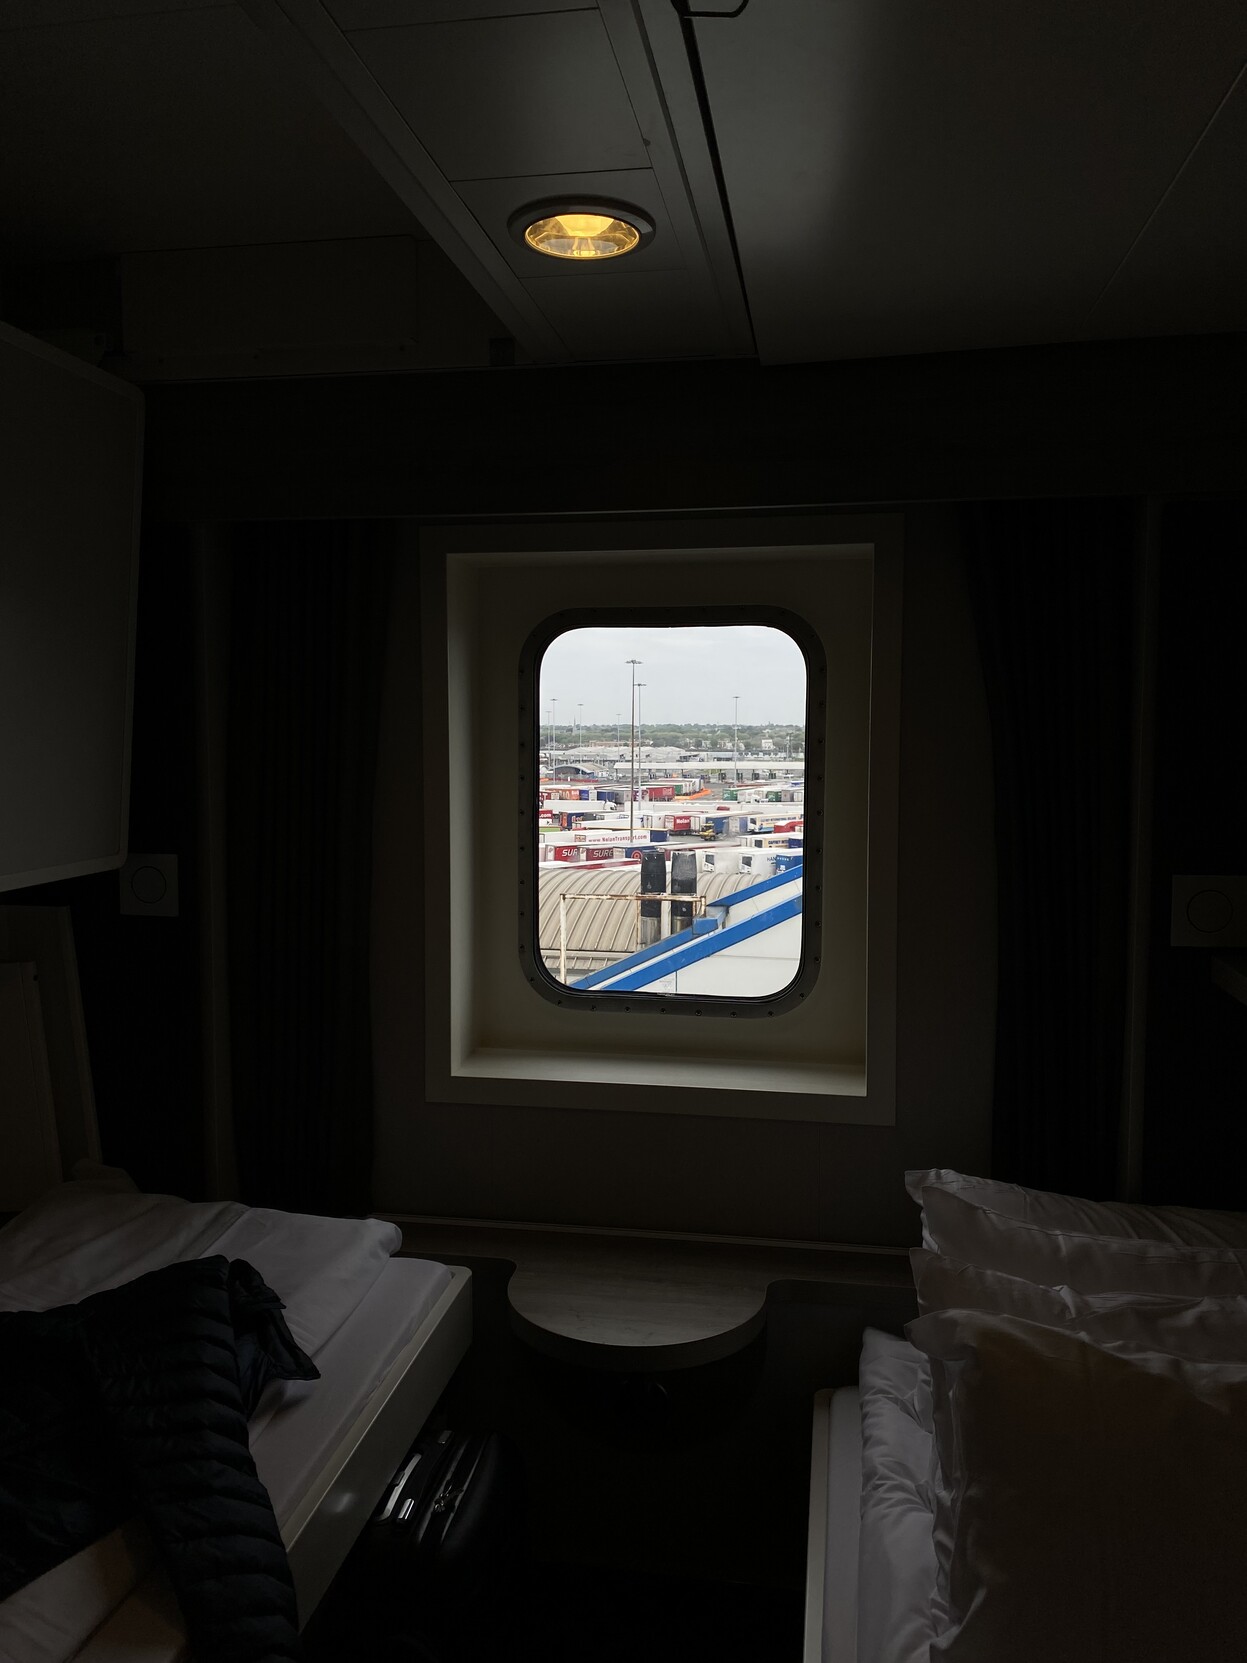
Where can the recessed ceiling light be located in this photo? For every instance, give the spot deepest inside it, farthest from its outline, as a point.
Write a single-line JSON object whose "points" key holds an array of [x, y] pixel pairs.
{"points": [[581, 230]]}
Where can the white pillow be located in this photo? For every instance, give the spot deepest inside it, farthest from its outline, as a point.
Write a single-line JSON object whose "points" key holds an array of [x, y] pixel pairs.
{"points": [[1213, 1329], [103, 1177], [978, 1235], [1099, 1509], [1201, 1329], [1181, 1226]]}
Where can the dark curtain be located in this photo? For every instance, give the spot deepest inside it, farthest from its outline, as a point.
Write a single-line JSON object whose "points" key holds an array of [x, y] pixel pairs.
{"points": [[1052, 588], [1195, 1129], [307, 635]]}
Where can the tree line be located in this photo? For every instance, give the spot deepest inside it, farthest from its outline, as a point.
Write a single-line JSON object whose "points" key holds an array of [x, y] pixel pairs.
{"points": [[688, 736]]}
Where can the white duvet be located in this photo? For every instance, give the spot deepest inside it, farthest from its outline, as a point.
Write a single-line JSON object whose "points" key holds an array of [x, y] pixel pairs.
{"points": [[896, 1553]]}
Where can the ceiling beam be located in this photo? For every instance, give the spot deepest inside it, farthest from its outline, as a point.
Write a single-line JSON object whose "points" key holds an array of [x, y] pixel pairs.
{"points": [[687, 160], [649, 49]]}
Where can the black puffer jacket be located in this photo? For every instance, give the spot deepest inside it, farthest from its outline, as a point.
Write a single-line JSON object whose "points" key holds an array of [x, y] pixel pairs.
{"points": [[136, 1400]]}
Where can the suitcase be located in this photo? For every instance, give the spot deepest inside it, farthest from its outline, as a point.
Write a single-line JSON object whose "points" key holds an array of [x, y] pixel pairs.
{"points": [[435, 1517], [440, 1559]]}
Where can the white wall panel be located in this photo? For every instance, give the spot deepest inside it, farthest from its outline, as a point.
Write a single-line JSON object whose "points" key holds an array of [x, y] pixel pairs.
{"points": [[69, 505]]}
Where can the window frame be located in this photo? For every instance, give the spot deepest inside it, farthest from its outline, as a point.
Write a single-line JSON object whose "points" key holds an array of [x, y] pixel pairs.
{"points": [[532, 653], [489, 1038]]}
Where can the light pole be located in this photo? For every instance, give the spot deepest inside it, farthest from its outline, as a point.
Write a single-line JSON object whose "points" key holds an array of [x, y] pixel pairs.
{"points": [[640, 742], [632, 793], [580, 716], [554, 767], [735, 730]]}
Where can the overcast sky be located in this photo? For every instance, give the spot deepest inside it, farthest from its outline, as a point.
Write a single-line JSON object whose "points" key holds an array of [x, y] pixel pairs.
{"points": [[688, 675]]}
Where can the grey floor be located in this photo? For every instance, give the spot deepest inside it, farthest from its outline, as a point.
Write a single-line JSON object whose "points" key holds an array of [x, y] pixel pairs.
{"points": [[607, 1618], [563, 1614], [661, 1519]]}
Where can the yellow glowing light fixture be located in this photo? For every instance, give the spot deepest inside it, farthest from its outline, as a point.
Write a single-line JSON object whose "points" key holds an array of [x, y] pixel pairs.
{"points": [[585, 231], [582, 236]]}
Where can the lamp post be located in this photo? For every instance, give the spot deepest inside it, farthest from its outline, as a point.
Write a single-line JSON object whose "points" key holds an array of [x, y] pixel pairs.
{"points": [[580, 717], [632, 793], [735, 730]]}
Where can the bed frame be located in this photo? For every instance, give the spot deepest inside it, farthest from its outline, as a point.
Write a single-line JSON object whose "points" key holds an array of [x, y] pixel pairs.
{"points": [[834, 1526], [147, 1626]]}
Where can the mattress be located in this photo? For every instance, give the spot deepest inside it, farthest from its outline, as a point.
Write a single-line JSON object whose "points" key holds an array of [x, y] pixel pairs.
{"points": [[301, 1431], [92, 1234], [351, 1305]]}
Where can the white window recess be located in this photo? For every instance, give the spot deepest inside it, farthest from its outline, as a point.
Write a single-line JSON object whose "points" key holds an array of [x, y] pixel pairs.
{"points": [[490, 1037]]}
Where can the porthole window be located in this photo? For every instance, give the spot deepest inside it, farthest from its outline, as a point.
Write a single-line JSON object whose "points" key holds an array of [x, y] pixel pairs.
{"points": [[666, 829]]}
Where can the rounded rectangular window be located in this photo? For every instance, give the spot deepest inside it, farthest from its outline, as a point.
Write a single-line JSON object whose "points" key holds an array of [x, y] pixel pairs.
{"points": [[666, 837]]}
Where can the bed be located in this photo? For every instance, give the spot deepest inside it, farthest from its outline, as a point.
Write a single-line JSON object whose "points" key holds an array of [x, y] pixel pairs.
{"points": [[1052, 1461], [385, 1334]]}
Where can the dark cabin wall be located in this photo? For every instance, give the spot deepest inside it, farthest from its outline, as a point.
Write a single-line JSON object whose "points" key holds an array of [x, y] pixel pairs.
{"points": [[1108, 418], [698, 1172], [1113, 418]]}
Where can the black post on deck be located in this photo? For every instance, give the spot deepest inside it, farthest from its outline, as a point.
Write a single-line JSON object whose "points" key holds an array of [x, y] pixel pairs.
{"points": [[653, 882], [683, 882]]}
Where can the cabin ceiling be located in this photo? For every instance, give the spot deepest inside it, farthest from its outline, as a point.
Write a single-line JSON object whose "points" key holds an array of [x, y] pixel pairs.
{"points": [[281, 185]]}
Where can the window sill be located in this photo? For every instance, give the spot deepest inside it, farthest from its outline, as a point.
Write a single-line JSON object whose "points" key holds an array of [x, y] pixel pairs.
{"points": [[664, 1084]]}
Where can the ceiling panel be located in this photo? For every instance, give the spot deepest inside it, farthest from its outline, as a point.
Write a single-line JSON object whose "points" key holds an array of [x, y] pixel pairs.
{"points": [[908, 177], [27, 14], [235, 300], [170, 131], [510, 95], [1188, 271], [493, 201], [384, 14], [646, 315]]}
